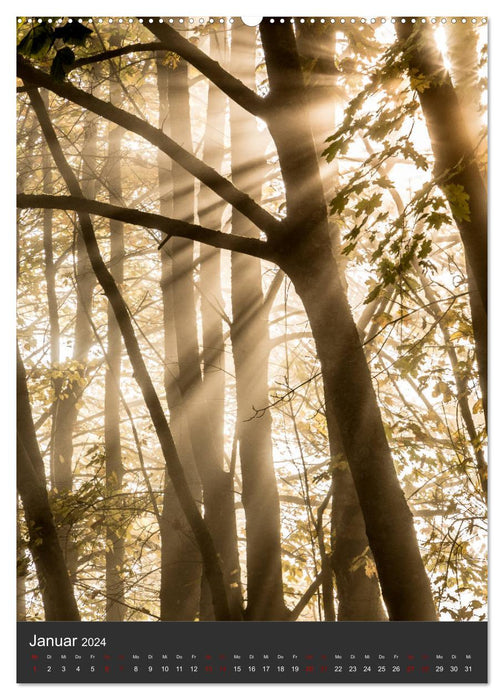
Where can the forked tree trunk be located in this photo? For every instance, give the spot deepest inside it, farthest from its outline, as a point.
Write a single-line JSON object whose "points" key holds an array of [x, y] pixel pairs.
{"points": [[307, 257]]}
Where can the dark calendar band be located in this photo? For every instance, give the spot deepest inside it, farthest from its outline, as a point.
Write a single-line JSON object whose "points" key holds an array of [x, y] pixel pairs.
{"points": [[254, 652]]}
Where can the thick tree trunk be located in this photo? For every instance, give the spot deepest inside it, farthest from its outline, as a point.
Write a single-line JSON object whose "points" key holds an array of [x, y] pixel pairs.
{"points": [[359, 596], [462, 42], [457, 168], [54, 581], [349, 394], [250, 343], [307, 257], [114, 471]]}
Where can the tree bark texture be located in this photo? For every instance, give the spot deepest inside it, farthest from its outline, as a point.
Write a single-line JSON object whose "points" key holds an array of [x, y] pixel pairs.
{"points": [[358, 590], [307, 257]]}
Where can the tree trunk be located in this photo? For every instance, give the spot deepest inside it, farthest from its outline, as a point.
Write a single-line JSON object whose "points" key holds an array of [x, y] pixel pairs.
{"points": [[464, 58], [250, 343], [457, 169], [218, 492], [359, 596], [306, 256], [54, 581], [65, 412], [49, 268], [210, 210], [114, 471], [65, 408], [174, 469], [181, 568]]}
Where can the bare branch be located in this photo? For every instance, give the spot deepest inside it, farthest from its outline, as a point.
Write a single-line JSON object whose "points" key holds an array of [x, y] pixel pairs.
{"points": [[171, 227], [174, 468], [305, 598], [212, 179], [114, 53], [234, 88]]}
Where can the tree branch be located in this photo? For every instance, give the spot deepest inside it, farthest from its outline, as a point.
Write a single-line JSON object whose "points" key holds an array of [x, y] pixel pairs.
{"points": [[212, 179], [171, 227], [174, 468], [231, 86], [114, 53], [305, 598]]}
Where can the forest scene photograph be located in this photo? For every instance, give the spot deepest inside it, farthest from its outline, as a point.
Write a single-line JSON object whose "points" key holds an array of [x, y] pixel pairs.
{"points": [[251, 319]]}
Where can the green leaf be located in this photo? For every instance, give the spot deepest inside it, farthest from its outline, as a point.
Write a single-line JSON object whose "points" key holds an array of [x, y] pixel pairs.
{"points": [[73, 32], [62, 63], [424, 249], [373, 294], [419, 160], [37, 42], [384, 182], [339, 202], [459, 201], [436, 219], [367, 206]]}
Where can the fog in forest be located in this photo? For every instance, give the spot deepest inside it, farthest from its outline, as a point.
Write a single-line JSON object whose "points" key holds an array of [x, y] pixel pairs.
{"points": [[252, 319]]}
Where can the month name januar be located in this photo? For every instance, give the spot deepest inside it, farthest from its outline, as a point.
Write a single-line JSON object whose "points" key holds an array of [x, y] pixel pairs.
{"points": [[53, 641]]}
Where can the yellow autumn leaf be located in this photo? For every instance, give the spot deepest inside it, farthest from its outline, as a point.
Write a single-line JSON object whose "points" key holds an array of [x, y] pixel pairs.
{"points": [[456, 335], [478, 406]]}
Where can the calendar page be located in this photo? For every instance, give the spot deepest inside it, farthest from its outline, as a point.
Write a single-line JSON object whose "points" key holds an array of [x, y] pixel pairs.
{"points": [[252, 349]]}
